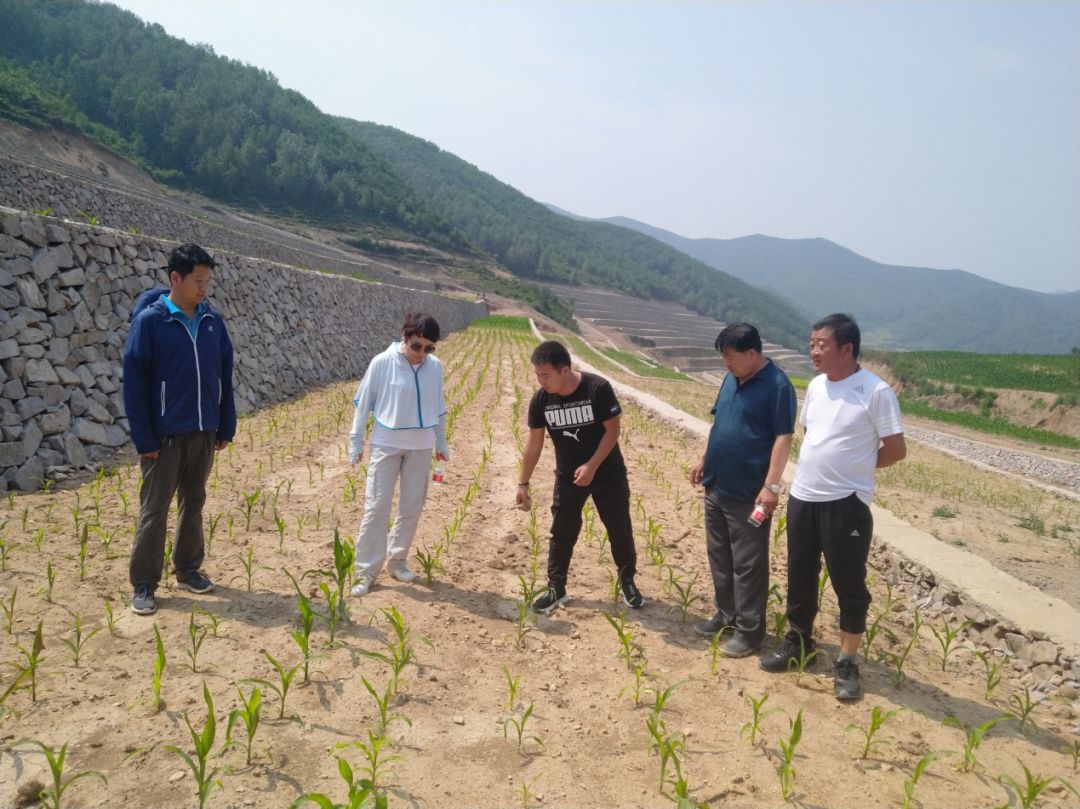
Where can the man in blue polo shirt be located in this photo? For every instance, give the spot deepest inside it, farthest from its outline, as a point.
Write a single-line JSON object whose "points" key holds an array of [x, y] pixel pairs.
{"points": [[741, 467]]}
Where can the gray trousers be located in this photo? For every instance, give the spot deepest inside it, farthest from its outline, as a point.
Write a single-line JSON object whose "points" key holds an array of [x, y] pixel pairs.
{"points": [[739, 561], [180, 469]]}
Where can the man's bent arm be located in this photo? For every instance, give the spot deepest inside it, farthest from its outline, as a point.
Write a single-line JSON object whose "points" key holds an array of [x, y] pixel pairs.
{"points": [[607, 442], [892, 450]]}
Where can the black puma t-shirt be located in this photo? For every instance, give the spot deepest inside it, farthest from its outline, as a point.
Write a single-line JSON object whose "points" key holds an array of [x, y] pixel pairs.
{"points": [[576, 423]]}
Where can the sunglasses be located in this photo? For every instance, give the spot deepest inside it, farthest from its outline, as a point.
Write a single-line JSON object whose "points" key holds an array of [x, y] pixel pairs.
{"points": [[417, 347]]}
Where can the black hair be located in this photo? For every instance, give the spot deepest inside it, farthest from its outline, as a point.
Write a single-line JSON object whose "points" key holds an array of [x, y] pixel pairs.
{"points": [[185, 258], [741, 337], [417, 324], [844, 330], [551, 353]]}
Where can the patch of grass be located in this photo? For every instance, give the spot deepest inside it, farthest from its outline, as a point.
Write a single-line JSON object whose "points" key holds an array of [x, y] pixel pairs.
{"points": [[643, 367], [944, 512], [986, 424], [503, 323], [1047, 373]]}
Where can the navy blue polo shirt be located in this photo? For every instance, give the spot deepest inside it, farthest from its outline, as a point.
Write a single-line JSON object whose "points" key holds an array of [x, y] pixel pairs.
{"points": [[747, 419]]}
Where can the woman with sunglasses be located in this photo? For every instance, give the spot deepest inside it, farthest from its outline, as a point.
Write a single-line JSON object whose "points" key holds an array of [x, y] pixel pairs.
{"points": [[403, 388]]}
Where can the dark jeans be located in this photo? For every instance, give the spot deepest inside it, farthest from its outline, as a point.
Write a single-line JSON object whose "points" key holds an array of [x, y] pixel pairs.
{"points": [[841, 530], [611, 496], [180, 469], [739, 561]]}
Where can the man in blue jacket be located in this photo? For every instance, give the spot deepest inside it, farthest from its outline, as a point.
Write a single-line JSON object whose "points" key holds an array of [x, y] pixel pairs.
{"points": [[178, 394]]}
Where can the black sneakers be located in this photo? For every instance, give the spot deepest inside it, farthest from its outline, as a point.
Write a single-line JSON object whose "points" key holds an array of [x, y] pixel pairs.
{"points": [[846, 679], [196, 582], [550, 599], [631, 595], [788, 656], [143, 601]]}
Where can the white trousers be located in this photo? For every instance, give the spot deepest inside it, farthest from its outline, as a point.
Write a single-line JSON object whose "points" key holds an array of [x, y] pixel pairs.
{"points": [[385, 466]]}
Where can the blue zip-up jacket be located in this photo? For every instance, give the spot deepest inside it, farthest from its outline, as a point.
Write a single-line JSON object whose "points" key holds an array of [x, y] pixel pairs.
{"points": [[176, 382]]}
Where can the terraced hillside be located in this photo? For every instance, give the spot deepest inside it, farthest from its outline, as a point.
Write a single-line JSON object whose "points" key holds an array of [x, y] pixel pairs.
{"points": [[670, 333]]}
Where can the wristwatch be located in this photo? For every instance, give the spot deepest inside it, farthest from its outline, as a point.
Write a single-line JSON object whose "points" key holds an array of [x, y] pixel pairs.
{"points": [[773, 487]]}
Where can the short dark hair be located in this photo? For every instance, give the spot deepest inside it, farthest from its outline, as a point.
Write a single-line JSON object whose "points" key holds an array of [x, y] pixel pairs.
{"points": [[551, 353], [417, 324], [741, 337], [844, 330], [185, 258]]}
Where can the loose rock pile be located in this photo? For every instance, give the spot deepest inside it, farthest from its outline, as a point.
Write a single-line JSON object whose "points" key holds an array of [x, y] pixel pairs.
{"points": [[66, 295]]}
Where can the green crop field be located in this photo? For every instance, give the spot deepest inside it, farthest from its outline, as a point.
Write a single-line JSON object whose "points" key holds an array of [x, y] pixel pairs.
{"points": [[1048, 373]]}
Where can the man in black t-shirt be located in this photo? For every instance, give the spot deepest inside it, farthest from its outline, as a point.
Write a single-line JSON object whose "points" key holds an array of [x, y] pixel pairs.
{"points": [[581, 414]]}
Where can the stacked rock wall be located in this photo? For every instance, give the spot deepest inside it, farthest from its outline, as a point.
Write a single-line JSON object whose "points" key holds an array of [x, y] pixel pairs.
{"points": [[66, 295], [70, 194]]}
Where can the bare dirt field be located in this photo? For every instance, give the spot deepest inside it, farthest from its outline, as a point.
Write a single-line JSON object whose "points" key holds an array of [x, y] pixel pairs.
{"points": [[586, 697]]}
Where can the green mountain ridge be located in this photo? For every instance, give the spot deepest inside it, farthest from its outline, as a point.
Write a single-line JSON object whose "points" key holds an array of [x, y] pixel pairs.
{"points": [[911, 308]]}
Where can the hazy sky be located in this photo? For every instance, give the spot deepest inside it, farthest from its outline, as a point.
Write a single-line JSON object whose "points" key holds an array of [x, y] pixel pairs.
{"points": [[927, 133]]}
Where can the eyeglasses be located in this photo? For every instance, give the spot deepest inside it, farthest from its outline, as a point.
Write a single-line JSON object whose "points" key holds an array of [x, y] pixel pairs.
{"points": [[417, 347]]}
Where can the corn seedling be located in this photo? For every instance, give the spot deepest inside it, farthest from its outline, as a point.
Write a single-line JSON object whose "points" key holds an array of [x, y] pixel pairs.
{"points": [[823, 579], [639, 682], [786, 768], [215, 620], [249, 715], [382, 703], [32, 656], [661, 696], [39, 537], [51, 797], [802, 663], [247, 561], [196, 634], [897, 661], [524, 792], [1034, 785], [668, 747], [946, 639], [159, 669], [519, 723], [684, 596], [993, 673], [76, 642], [1023, 705], [629, 649], [878, 718], [281, 688], [211, 528], [430, 562], [523, 623], [1073, 751], [973, 737], [376, 762], [50, 580], [362, 793], [916, 774], [203, 743], [302, 636], [399, 650], [279, 523], [9, 609], [753, 728], [250, 499], [512, 685], [714, 648]]}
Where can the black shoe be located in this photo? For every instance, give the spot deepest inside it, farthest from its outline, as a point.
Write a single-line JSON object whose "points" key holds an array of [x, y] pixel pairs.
{"points": [[551, 598], [631, 595], [707, 627], [846, 679], [143, 601], [787, 657], [196, 582]]}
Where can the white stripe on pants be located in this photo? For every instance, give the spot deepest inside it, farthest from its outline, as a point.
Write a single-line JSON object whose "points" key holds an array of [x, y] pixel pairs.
{"points": [[385, 466]]}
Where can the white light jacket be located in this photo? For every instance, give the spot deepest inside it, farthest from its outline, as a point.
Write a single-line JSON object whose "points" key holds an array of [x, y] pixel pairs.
{"points": [[402, 397]]}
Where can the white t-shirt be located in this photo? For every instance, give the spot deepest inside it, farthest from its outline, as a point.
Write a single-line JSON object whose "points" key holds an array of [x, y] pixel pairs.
{"points": [[845, 422]]}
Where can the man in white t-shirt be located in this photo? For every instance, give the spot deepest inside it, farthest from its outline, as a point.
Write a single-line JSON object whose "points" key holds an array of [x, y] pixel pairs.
{"points": [[853, 426]]}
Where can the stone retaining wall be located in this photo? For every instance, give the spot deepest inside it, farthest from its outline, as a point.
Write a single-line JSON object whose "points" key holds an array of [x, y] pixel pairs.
{"points": [[35, 188], [66, 295]]}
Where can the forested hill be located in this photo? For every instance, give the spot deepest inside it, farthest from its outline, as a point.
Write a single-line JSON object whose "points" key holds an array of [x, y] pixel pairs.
{"points": [[537, 244], [229, 131], [194, 119], [914, 308]]}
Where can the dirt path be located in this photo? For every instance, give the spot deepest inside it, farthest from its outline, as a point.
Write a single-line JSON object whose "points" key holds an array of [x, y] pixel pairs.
{"points": [[596, 749]]}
